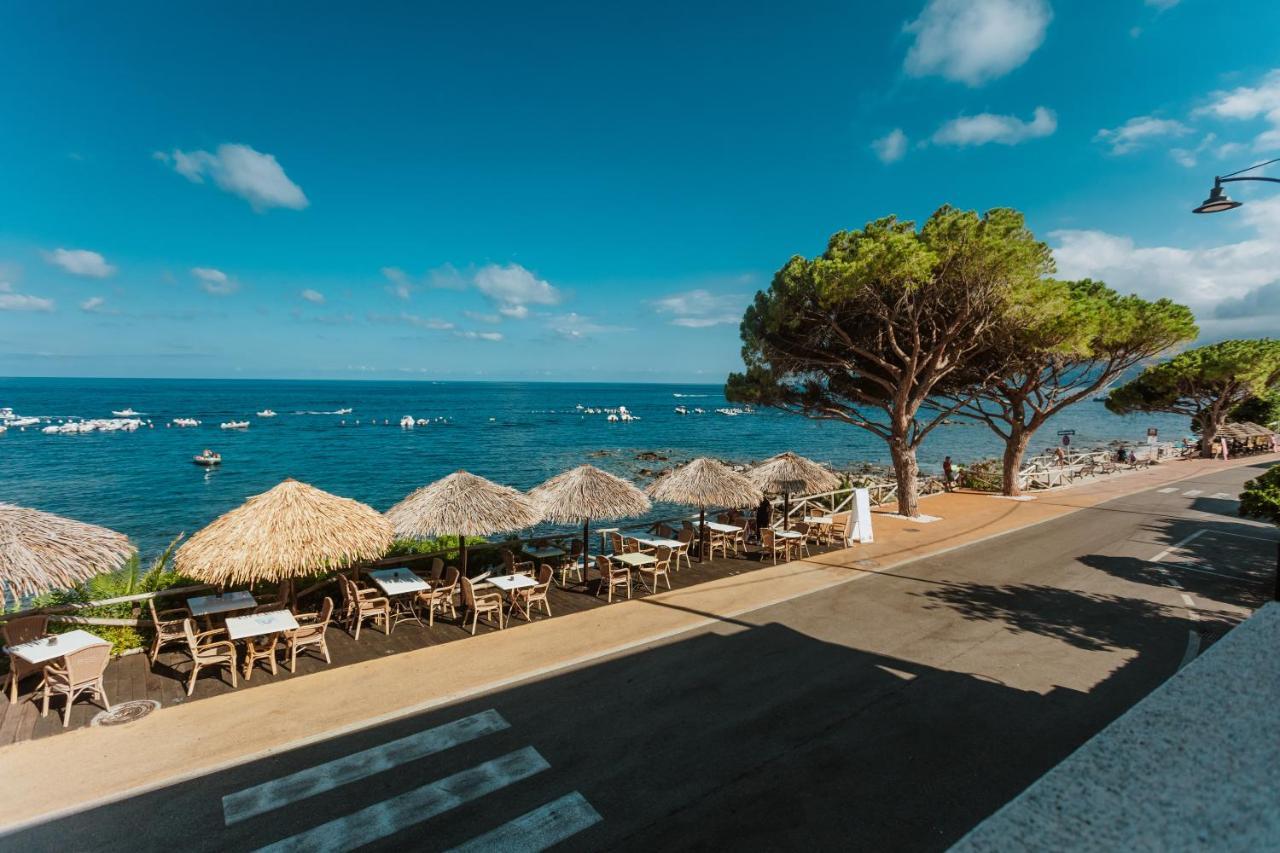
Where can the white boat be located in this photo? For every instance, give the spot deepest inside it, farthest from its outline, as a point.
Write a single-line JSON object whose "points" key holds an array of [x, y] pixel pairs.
{"points": [[681, 410], [342, 412], [423, 421], [407, 422], [266, 413], [24, 422], [235, 425], [125, 413], [185, 422], [207, 459]]}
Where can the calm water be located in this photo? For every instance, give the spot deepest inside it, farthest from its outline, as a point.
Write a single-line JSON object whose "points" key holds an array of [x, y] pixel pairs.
{"points": [[144, 483]]}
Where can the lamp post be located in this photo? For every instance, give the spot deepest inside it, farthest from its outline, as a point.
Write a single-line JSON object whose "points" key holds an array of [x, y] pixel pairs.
{"points": [[1218, 200]]}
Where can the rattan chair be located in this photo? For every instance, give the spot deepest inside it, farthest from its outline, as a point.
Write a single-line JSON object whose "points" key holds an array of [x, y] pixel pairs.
{"points": [[362, 604], [659, 568], [310, 634], [806, 533], [23, 629], [573, 565], [686, 537], [82, 673], [839, 534], [538, 594], [612, 576], [168, 626], [774, 545], [205, 652], [482, 603], [617, 543], [261, 647], [440, 596]]}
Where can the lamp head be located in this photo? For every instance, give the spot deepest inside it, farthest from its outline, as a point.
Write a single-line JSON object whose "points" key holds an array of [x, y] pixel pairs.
{"points": [[1216, 202]]}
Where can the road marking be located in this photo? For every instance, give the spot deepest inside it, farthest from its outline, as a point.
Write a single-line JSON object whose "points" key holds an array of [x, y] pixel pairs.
{"points": [[539, 829], [1242, 535], [1191, 493], [1166, 491], [1222, 496], [1190, 568], [1193, 637], [1176, 545], [260, 799], [392, 815]]}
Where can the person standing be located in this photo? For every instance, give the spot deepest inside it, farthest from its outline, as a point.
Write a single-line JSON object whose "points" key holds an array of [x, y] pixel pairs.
{"points": [[948, 476]]}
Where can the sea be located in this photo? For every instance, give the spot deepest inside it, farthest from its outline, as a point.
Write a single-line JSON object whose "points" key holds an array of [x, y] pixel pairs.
{"points": [[345, 437]]}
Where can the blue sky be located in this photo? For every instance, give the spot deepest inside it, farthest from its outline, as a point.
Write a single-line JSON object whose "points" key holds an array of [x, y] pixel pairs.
{"points": [[588, 191]]}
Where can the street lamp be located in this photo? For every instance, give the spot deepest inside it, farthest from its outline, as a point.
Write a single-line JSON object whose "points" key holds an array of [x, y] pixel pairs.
{"points": [[1218, 200]]}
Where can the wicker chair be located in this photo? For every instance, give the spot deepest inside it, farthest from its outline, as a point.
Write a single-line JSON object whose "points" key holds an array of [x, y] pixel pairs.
{"points": [[573, 565], [840, 522], [82, 674], [807, 533], [440, 597], [612, 576], [361, 604], [538, 594], [23, 629], [310, 634], [168, 626], [481, 603], [205, 652], [437, 570], [686, 537], [261, 647], [773, 545], [617, 543], [660, 568]]}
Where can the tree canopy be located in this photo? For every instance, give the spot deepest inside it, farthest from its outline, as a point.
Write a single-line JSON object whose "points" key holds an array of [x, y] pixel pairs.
{"points": [[887, 318], [1261, 497]]}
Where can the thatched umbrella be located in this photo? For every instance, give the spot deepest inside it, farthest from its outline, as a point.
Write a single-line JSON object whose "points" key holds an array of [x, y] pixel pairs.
{"points": [[290, 531], [584, 493], [789, 472], [463, 504], [703, 483], [40, 551]]}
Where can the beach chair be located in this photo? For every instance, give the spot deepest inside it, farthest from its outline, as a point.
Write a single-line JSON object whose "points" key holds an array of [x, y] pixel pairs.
{"points": [[23, 629], [310, 634], [479, 604], [82, 673], [206, 652], [612, 576]]}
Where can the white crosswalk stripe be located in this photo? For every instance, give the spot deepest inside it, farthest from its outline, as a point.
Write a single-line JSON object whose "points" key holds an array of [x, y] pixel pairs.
{"points": [[1167, 490], [1223, 496], [537, 830], [392, 815], [263, 798], [1191, 493]]}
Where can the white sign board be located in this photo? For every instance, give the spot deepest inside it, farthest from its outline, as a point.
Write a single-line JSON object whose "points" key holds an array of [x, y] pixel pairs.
{"points": [[860, 530]]}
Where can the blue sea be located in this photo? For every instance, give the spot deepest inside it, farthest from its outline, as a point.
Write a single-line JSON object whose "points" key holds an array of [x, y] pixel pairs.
{"points": [[144, 483]]}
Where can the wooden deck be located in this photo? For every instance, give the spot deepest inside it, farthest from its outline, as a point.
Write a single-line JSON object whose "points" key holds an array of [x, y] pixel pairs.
{"points": [[132, 677]]}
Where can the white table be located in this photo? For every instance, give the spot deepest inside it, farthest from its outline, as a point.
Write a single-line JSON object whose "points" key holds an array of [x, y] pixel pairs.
{"points": [[661, 543], [635, 561], [788, 534], [721, 528], [46, 649], [257, 624], [398, 581], [819, 519], [207, 605], [544, 553], [511, 585]]}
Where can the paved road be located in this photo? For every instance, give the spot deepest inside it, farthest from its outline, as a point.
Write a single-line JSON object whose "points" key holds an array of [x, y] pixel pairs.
{"points": [[893, 712]]}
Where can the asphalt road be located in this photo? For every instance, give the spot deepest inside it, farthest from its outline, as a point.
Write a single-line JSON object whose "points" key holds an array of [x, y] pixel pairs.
{"points": [[893, 712]]}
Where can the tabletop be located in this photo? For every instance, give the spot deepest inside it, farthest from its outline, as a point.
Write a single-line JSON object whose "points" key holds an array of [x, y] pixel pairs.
{"points": [[818, 519], [510, 582], [722, 528], [43, 650], [257, 624], [788, 534], [543, 553], [635, 559], [398, 581], [661, 543], [206, 605]]}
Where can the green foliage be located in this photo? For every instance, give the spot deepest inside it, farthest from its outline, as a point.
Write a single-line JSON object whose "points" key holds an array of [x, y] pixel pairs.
{"points": [[1209, 379], [449, 544], [1263, 409], [1261, 497], [985, 475]]}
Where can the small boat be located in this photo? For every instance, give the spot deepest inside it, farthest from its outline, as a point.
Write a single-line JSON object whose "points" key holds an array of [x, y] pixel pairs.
{"points": [[235, 425], [342, 412], [266, 413], [186, 422], [208, 459], [407, 422], [681, 410], [125, 413]]}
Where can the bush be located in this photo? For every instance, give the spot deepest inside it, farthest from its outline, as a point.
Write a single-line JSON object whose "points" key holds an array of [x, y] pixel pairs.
{"points": [[985, 475], [447, 544]]}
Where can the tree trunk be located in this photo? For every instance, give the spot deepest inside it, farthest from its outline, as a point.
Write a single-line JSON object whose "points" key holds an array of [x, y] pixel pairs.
{"points": [[1208, 432], [907, 473], [1015, 447]]}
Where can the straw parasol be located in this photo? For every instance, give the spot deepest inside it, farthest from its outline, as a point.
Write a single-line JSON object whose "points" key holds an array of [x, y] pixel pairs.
{"points": [[584, 493], [702, 483], [41, 551], [463, 504], [789, 472], [290, 531]]}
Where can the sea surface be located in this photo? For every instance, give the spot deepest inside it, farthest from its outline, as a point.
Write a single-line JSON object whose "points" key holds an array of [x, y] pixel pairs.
{"points": [[144, 483]]}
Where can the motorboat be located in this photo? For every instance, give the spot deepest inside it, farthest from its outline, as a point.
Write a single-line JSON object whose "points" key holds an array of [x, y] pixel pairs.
{"points": [[266, 413], [186, 422], [681, 410], [125, 413], [235, 425], [207, 459], [407, 422]]}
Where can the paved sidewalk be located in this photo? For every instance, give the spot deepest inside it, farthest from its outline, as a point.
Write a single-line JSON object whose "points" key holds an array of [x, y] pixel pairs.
{"points": [[191, 740]]}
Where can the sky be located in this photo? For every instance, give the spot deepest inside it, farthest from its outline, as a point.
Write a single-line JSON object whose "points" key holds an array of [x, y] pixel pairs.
{"points": [[587, 191]]}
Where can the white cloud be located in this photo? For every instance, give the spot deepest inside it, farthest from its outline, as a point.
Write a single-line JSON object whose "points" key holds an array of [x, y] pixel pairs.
{"points": [[1248, 103], [512, 289], [575, 327], [215, 282], [1138, 131], [256, 177], [313, 296], [890, 147], [973, 41], [989, 127], [407, 319], [1230, 287], [472, 335], [96, 305], [481, 317], [11, 300], [80, 262], [402, 285], [700, 308], [1189, 157]]}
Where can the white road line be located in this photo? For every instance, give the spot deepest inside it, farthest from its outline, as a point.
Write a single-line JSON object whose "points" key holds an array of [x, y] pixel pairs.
{"points": [[537, 830], [1242, 535], [1191, 493], [390, 816], [260, 799], [1176, 545], [1167, 490], [1189, 568], [1222, 496]]}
